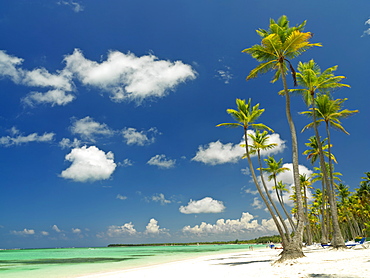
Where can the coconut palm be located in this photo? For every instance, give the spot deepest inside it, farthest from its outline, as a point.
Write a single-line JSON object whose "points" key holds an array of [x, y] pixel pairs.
{"points": [[278, 44], [313, 151], [274, 168], [245, 116]]}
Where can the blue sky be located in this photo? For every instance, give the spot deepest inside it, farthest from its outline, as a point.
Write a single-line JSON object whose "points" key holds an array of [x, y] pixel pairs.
{"points": [[109, 108]]}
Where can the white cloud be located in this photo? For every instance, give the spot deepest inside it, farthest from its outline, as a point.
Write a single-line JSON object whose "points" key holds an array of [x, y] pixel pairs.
{"points": [[153, 229], [19, 139], [241, 226], [76, 7], [218, 153], [205, 205], [127, 77], [250, 191], [88, 129], [55, 228], [257, 204], [160, 198], [121, 197], [44, 233], [53, 97], [225, 75], [366, 32], [126, 163], [161, 161], [25, 232], [76, 230], [89, 164], [8, 66], [66, 143], [140, 138], [119, 231]]}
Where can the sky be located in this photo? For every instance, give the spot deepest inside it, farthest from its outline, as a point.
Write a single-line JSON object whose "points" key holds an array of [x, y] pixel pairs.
{"points": [[109, 109]]}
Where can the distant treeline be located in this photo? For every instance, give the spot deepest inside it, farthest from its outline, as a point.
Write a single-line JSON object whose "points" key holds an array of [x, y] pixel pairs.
{"points": [[260, 240]]}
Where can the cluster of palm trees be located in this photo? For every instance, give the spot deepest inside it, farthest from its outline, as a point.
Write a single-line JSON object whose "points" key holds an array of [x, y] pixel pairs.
{"points": [[281, 43]]}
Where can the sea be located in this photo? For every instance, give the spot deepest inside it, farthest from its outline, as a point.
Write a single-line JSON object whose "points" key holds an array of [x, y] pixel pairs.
{"points": [[75, 262]]}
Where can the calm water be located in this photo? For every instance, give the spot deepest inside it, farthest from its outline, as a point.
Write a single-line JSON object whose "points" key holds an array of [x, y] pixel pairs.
{"points": [[73, 262]]}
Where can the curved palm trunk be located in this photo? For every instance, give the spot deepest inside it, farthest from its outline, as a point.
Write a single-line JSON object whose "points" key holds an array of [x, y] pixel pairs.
{"points": [[308, 226], [270, 199], [251, 168], [294, 250], [281, 201], [338, 241]]}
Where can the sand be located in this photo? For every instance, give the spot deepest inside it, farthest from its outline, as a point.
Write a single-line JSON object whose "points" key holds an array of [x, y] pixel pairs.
{"points": [[318, 262]]}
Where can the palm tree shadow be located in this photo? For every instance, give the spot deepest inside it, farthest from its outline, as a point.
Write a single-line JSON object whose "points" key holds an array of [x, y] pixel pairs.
{"points": [[244, 263]]}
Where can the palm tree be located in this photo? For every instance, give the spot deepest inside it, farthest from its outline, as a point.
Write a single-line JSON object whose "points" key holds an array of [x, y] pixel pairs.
{"points": [[274, 168], [306, 184], [328, 111], [313, 151], [245, 117], [278, 44]]}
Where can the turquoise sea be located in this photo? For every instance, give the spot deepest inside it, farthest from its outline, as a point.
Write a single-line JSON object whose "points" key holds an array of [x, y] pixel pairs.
{"points": [[74, 262]]}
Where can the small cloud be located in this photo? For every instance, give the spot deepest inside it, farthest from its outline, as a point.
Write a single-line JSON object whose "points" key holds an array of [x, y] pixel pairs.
{"points": [[159, 198], [161, 161], [246, 171], [88, 129], [44, 233], [225, 75], [55, 228], [153, 229], [140, 138], [366, 32], [25, 232], [76, 231], [121, 197], [250, 191], [76, 7], [206, 205], [89, 164], [66, 143], [257, 204], [19, 139], [53, 97], [119, 231], [126, 163]]}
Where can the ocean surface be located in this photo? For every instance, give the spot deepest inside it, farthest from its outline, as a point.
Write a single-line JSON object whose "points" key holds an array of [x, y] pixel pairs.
{"points": [[74, 262]]}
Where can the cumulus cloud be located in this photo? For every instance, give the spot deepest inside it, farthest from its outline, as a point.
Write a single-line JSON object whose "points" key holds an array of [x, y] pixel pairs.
{"points": [[88, 129], [76, 7], [25, 232], [140, 138], [205, 205], [161, 161], [123, 76], [89, 164], [218, 153], [366, 32], [246, 224], [121, 197], [128, 77], [17, 138], [52, 97], [159, 198], [55, 228], [124, 230], [153, 228]]}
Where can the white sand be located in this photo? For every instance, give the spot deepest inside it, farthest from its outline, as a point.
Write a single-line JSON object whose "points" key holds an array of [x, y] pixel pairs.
{"points": [[318, 262]]}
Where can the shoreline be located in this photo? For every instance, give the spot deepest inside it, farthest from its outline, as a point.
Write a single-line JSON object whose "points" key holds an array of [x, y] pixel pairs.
{"points": [[318, 262]]}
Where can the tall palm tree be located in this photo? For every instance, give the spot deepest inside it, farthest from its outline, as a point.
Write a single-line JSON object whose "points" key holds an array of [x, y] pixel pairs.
{"points": [[328, 111], [274, 168], [313, 151], [245, 116], [313, 80], [278, 44], [306, 184], [260, 142]]}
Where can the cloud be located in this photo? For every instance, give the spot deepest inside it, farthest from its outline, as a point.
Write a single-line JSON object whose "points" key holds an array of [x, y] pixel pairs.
{"points": [[218, 153], [366, 32], [76, 7], [161, 161], [119, 231], [76, 231], [257, 204], [88, 129], [66, 143], [126, 163], [89, 164], [55, 228], [121, 197], [44, 233], [153, 229], [25, 232], [205, 205], [128, 77], [159, 198], [19, 139], [246, 224], [140, 138], [53, 97], [225, 75]]}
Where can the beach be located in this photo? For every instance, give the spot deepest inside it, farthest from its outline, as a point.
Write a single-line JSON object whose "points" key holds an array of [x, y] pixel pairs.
{"points": [[318, 262]]}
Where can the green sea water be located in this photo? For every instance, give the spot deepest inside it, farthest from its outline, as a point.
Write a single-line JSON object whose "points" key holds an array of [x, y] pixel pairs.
{"points": [[74, 262]]}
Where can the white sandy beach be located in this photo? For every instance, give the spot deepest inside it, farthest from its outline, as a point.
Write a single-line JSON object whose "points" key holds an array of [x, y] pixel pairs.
{"points": [[318, 262]]}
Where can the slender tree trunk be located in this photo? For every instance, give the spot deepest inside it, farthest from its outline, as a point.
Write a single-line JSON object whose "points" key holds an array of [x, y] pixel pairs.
{"points": [[281, 201], [308, 227], [251, 168], [294, 250], [338, 241]]}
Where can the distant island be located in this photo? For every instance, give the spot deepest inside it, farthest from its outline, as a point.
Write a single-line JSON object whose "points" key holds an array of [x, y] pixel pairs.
{"points": [[260, 240]]}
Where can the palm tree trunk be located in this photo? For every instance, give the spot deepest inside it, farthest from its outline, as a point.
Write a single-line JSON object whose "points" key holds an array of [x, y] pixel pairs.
{"points": [[338, 241], [281, 201], [251, 168], [294, 250]]}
